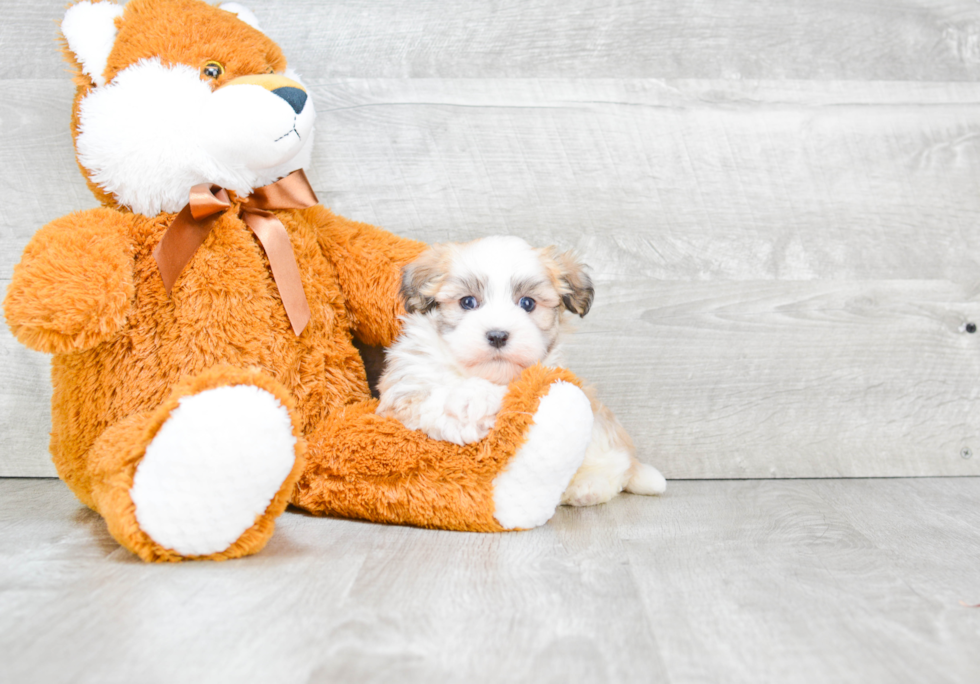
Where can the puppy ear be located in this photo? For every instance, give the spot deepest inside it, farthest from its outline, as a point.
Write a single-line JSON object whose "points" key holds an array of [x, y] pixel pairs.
{"points": [[573, 283], [421, 279], [89, 29]]}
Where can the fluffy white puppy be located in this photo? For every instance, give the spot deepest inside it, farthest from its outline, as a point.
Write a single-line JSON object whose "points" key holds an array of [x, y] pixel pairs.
{"points": [[478, 314]]}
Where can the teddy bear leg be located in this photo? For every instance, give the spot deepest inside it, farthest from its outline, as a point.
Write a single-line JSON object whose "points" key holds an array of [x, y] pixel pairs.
{"points": [[362, 465], [205, 474]]}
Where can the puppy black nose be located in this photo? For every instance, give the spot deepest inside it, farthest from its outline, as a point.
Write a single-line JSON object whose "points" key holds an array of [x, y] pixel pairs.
{"points": [[294, 96], [497, 338]]}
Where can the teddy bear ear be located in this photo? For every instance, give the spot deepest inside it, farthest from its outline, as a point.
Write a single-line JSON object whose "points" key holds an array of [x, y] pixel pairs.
{"points": [[242, 13], [89, 29]]}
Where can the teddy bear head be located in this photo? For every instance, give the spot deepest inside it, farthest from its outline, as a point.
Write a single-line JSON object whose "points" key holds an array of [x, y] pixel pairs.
{"points": [[174, 93]]}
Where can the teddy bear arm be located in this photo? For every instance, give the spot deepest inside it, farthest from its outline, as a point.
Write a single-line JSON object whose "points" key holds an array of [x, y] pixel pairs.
{"points": [[74, 286], [363, 465], [369, 264]]}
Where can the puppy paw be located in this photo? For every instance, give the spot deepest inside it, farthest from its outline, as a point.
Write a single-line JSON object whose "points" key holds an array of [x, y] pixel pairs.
{"points": [[470, 411], [591, 490], [605, 475]]}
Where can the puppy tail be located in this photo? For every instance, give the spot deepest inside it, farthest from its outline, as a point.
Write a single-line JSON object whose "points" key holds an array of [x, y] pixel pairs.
{"points": [[645, 479]]}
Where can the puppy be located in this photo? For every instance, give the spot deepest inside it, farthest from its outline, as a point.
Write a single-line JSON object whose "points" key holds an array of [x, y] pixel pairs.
{"points": [[478, 314]]}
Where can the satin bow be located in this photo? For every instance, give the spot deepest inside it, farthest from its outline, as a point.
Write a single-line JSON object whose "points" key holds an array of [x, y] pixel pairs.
{"points": [[193, 224]]}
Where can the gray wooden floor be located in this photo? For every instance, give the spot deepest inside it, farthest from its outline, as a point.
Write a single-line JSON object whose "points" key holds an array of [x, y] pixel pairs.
{"points": [[718, 581]]}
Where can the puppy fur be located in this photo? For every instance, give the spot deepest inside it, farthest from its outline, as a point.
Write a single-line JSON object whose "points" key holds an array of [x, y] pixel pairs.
{"points": [[478, 314]]}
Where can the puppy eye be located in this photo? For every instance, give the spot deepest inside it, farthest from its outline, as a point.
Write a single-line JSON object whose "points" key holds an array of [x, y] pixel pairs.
{"points": [[467, 303], [213, 69], [527, 304]]}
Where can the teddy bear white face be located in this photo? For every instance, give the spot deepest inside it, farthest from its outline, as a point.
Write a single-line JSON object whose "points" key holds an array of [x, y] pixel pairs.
{"points": [[156, 130]]}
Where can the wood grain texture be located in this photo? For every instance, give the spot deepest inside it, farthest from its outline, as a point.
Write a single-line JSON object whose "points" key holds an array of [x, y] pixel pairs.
{"points": [[39, 178], [734, 380], [812, 581], [699, 180], [25, 409], [789, 582], [676, 180], [826, 40], [778, 200], [789, 379]]}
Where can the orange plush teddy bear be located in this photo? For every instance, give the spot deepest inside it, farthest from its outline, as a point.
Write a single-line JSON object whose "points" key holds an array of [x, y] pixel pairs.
{"points": [[202, 320]]}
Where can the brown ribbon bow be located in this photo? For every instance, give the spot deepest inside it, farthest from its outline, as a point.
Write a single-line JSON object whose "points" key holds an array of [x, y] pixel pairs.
{"points": [[193, 224]]}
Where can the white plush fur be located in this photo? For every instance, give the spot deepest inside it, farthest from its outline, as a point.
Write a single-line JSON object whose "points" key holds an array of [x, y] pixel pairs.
{"points": [[527, 492], [445, 378], [90, 30], [155, 131], [213, 468]]}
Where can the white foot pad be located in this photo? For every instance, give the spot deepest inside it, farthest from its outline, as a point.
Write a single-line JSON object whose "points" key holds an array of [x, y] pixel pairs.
{"points": [[213, 468], [527, 492]]}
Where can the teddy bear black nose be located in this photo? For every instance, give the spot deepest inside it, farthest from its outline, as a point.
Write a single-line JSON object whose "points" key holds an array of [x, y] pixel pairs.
{"points": [[294, 96], [497, 338]]}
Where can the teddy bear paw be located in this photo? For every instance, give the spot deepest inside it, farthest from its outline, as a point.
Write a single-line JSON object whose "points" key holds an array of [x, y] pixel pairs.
{"points": [[527, 492], [212, 469]]}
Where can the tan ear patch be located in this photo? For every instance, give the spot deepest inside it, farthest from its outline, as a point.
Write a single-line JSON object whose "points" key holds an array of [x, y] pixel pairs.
{"points": [[570, 278], [422, 278]]}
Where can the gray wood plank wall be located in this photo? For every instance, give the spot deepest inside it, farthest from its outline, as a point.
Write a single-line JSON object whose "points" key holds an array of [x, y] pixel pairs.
{"points": [[778, 199]]}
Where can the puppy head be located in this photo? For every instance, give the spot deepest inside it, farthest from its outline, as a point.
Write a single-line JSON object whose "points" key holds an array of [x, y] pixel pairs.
{"points": [[497, 303]]}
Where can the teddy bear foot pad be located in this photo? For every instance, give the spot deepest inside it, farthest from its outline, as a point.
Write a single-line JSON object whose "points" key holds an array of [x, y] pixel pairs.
{"points": [[529, 489], [213, 468]]}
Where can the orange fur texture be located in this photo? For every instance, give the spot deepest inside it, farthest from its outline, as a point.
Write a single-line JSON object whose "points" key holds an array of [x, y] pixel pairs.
{"points": [[88, 291]]}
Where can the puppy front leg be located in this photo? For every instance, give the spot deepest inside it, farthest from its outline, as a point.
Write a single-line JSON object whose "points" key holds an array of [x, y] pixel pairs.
{"points": [[465, 411], [460, 411]]}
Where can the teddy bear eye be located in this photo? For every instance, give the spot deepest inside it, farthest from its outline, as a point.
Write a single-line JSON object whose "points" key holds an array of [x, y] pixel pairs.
{"points": [[213, 69], [527, 304], [467, 303]]}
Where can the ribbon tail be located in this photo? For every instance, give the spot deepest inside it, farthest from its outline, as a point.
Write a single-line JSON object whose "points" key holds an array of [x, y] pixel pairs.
{"points": [[275, 241], [188, 231], [178, 245]]}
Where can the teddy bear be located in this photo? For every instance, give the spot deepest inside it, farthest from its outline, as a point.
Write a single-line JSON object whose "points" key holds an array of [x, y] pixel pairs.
{"points": [[202, 320]]}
